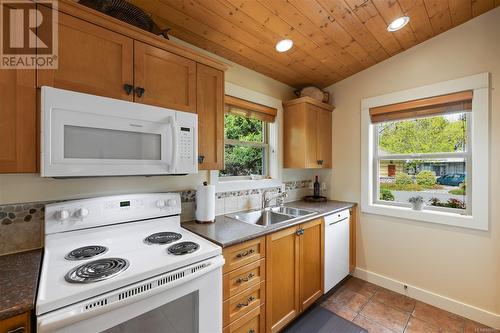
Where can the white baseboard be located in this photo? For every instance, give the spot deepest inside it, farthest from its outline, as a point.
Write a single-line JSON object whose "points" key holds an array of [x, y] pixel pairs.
{"points": [[465, 310]]}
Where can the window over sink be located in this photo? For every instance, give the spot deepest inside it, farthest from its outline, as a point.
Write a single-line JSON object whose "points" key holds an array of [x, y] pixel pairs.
{"points": [[425, 153]]}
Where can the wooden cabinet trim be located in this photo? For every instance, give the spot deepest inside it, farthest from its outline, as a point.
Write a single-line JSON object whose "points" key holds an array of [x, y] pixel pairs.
{"points": [[72, 8], [309, 100]]}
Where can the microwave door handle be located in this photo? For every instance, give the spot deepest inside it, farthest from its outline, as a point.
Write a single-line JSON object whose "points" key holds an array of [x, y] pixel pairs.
{"points": [[175, 142]]}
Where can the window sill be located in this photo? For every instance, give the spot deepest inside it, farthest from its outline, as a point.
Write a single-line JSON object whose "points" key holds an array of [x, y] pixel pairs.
{"points": [[245, 184], [431, 216]]}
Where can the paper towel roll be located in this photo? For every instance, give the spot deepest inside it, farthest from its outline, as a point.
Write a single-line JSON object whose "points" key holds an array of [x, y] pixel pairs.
{"points": [[205, 203]]}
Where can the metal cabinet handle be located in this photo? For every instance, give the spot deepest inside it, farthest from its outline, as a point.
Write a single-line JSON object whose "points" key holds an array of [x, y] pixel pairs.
{"points": [[249, 300], [245, 279], [251, 330], [299, 232], [201, 158], [245, 253], [140, 91], [21, 329], [128, 88]]}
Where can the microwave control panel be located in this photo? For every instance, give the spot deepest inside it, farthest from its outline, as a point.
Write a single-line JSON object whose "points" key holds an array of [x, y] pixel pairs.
{"points": [[186, 146]]}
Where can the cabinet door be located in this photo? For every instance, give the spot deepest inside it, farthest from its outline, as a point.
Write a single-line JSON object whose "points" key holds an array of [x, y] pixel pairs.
{"points": [[18, 143], [311, 137], [168, 80], [91, 60], [282, 277], [324, 138], [311, 262], [210, 109]]}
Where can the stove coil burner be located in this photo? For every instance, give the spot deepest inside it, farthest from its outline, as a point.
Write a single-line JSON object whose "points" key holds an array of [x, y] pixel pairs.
{"points": [[97, 270], [162, 238], [86, 252], [183, 248]]}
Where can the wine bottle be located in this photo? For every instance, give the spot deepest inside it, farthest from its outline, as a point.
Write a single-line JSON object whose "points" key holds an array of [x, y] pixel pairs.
{"points": [[316, 188]]}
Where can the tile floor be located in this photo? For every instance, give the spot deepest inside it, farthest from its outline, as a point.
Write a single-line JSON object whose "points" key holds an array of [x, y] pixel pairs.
{"points": [[379, 310]]}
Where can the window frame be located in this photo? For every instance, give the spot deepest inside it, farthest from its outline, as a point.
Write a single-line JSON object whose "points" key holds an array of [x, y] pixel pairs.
{"points": [[466, 155], [224, 184], [264, 144], [477, 168]]}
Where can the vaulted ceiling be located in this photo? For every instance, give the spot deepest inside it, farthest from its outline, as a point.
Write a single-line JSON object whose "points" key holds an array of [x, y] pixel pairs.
{"points": [[333, 39]]}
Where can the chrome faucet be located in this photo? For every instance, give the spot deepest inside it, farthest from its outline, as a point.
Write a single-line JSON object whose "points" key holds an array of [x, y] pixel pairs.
{"points": [[266, 200]]}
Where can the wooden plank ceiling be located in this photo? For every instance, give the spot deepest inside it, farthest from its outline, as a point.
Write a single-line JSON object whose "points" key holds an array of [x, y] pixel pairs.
{"points": [[333, 39]]}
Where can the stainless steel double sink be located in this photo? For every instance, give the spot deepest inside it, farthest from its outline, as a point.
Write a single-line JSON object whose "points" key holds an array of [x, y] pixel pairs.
{"points": [[271, 216]]}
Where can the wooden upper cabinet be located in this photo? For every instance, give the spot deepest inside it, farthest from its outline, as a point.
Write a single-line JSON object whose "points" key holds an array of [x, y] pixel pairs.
{"points": [[168, 80], [311, 263], [210, 109], [282, 277], [307, 134], [91, 60], [18, 139]]}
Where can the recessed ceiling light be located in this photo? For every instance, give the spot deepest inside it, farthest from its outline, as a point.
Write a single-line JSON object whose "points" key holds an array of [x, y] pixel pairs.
{"points": [[398, 23], [284, 45]]}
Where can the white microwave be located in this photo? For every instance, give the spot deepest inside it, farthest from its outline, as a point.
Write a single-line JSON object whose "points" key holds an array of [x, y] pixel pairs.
{"points": [[84, 135]]}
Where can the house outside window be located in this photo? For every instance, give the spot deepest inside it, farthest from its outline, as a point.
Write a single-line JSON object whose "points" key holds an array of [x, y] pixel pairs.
{"points": [[428, 145]]}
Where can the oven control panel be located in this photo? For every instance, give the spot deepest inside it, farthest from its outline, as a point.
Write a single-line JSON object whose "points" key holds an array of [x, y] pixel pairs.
{"points": [[87, 213]]}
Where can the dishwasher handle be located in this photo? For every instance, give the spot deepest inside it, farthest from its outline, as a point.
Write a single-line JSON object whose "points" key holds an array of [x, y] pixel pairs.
{"points": [[335, 222]]}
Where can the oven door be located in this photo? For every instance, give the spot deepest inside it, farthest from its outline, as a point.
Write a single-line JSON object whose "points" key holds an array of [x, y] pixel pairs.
{"points": [[177, 306], [86, 135]]}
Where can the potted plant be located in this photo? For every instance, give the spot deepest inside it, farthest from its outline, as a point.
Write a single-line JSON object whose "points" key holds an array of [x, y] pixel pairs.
{"points": [[416, 202]]}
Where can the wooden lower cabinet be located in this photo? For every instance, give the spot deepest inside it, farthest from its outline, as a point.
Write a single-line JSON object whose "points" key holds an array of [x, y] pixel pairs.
{"points": [[242, 254], [282, 276], [252, 322], [311, 244], [294, 272], [239, 305], [19, 324]]}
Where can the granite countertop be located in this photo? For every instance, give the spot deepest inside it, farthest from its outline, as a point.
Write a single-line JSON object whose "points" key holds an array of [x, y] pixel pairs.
{"points": [[18, 282], [227, 231]]}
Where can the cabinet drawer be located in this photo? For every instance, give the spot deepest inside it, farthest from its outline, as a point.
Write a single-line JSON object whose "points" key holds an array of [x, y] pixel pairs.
{"points": [[243, 303], [240, 279], [244, 253], [252, 322], [17, 324]]}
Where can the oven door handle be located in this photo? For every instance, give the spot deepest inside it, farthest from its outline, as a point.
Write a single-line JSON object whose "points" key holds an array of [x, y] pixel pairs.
{"points": [[175, 143]]}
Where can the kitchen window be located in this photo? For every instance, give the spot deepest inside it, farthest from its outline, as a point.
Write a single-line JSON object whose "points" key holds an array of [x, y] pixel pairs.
{"points": [[426, 158], [246, 147], [251, 131]]}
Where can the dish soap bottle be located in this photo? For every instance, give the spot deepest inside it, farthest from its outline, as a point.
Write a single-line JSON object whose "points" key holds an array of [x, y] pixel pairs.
{"points": [[316, 188]]}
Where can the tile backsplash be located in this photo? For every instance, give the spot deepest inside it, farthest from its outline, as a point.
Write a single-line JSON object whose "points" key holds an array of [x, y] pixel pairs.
{"points": [[21, 225]]}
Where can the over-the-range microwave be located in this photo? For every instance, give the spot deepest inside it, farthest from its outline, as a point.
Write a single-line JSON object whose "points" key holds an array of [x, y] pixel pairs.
{"points": [[84, 135]]}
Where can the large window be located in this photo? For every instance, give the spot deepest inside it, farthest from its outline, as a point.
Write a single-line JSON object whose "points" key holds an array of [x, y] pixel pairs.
{"points": [[246, 139], [425, 153], [425, 158]]}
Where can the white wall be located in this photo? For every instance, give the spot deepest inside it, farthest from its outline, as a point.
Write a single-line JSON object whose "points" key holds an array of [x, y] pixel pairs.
{"points": [[460, 264], [16, 188]]}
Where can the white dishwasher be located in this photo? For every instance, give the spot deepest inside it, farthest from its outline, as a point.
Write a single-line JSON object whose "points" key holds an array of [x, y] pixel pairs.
{"points": [[336, 248]]}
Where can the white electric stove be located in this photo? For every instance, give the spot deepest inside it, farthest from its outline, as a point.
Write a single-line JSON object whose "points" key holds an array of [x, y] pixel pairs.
{"points": [[124, 264]]}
